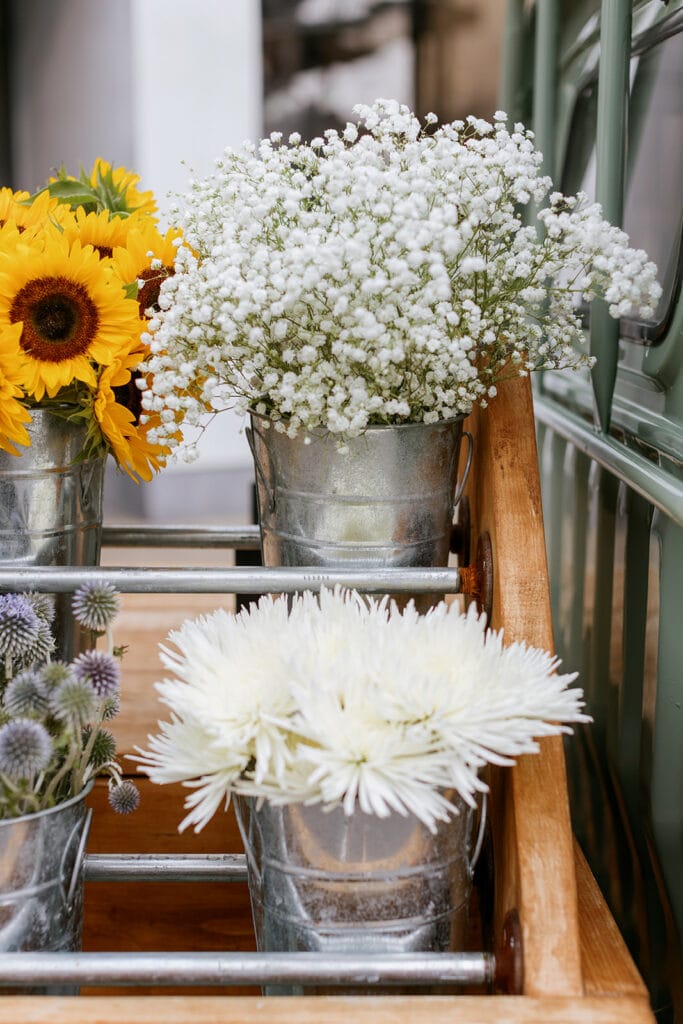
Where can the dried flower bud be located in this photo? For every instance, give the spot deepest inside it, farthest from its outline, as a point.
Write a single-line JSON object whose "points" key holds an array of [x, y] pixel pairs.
{"points": [[124, 798], [95, 605]]}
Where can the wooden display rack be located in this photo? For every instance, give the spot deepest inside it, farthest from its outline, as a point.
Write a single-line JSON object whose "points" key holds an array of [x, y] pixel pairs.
{"points": [[576, 967]]}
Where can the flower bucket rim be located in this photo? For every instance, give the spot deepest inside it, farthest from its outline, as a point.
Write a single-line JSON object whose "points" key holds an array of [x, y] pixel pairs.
{"points": [[324, 433], [50, 810]]}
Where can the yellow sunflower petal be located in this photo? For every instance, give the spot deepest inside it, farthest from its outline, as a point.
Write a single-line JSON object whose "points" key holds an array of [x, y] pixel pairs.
{"points": [[125, 182], [148, 257], [29, 217], [126, 439], [101, 230], [13, 414]]}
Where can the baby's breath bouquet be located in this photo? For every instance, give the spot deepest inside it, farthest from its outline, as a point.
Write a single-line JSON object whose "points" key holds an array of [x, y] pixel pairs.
{"points": [[393, 273], [81, 263], [346, 701], [53, 736]]}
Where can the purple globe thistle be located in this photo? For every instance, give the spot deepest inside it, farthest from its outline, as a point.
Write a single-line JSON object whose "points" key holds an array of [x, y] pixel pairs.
{"points": [[19, 625], [124, 798], [73, 702], [25, 748], [43, 605], [42, 647], [95, 605], [99, 669], [26, 694], [55, 673]]}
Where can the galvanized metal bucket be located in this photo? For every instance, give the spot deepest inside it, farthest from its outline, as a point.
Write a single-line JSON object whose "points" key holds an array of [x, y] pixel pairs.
{"points": [[41, 879], [323, 881], [388, 501], [51, 509]]}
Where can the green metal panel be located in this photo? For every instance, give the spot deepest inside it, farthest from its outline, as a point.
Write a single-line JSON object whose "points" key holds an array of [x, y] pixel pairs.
{"points": [[545, 80], [615, 51], [512, 72], [613, 491]]}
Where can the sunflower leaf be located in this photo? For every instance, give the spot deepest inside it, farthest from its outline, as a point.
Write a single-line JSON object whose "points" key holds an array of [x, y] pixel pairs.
{"points": [[70, 191]]}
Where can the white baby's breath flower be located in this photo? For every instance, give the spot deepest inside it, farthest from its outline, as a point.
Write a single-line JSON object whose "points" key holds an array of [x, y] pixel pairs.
{"points": [[342, 700], [383, 275]]}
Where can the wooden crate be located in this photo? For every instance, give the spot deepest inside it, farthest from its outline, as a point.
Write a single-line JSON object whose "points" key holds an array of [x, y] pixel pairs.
{"points": [[576, 965]]}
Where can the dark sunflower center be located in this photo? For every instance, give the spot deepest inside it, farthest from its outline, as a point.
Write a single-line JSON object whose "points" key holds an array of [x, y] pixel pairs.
{"points": [[148, 295], [60, 319], [55, 318], [130, 395]]}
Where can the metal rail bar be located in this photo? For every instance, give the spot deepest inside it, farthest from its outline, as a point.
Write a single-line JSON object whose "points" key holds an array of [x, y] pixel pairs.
{"points": [[20, 969], [645, 477], [545, 80], [616, 20], [241, 580], [237, 538], [513, 59], [165, 867]]}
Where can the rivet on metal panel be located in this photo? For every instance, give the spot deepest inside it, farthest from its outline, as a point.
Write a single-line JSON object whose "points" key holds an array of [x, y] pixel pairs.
{"points": [[509, 974]]}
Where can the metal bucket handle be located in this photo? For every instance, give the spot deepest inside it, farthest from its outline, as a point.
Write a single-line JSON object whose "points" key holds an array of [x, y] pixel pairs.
{"points": [[480, 834], [260, 472], [82, 827], [468, 465], [251, 859]]}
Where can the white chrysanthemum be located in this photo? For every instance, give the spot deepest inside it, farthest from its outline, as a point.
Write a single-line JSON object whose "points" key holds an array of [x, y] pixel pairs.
{"points": [[228, 700], [346, 700]]}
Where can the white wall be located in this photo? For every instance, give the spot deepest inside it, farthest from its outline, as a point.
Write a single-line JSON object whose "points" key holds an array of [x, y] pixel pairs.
{"points": [[143, 83], [197, 88], [71, 87]]}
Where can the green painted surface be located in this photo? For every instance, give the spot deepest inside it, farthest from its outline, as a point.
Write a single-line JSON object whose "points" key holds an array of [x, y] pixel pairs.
{"points": [[612, 122], [613, 486]]}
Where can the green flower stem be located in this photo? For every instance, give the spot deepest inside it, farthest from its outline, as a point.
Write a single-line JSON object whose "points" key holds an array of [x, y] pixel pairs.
{"points": [[26, 801], [80, 768], [63, 771]]}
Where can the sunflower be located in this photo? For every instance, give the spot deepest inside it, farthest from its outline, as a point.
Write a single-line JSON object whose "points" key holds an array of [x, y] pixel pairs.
{"points": [[73, 310], [13, 414], [125, 438], [123, 184], [101, 230], [28, 216], [149, 257]]}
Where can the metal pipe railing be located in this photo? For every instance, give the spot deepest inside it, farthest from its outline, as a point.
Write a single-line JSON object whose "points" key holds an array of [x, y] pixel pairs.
{"points": [[611, 131], [241, 580], [645, 477], [236, 538], [165, 867], [172, 969], [545, 81], [513, 60]]}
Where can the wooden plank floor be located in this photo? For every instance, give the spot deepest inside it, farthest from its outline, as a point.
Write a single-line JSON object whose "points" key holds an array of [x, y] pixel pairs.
{"points": [[144, 622], [160, 916]]}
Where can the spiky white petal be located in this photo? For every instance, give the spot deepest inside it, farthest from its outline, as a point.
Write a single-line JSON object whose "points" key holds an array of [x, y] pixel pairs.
{"points": [[342, 700]]}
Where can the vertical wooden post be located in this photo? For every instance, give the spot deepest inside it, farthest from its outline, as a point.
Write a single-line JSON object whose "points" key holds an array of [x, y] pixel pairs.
{"points": [[533, 845]]}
